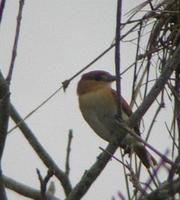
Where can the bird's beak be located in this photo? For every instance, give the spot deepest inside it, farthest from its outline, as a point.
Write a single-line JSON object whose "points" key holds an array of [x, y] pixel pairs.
{"points": [[111, 78]]}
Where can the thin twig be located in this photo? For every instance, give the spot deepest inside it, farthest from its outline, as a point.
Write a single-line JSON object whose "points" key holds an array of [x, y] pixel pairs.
{"points": [[126, 176], [150, 3], [135, 66], [132, 175], [114, 157], [118, 55], [154, 120], [70, 136], [177, 109], [176, 117], [16, 39], [152, 177], [44, 182], [172, 137]]}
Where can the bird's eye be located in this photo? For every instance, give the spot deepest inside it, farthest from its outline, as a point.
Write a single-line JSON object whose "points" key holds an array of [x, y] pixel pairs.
{"points": [[101, 78], [98, 78]]}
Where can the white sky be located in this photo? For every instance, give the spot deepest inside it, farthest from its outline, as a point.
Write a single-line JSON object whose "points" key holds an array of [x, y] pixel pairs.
{"points": [[57, 39]]}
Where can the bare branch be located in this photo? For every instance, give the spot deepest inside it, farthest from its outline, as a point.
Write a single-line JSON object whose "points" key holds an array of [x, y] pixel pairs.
{"points": [[152, 177], [44, 182], [163, 192], [90, 175], [4, 119], [70, 136], [41, 152], [25, 190], [117, 54], [14, 51]]}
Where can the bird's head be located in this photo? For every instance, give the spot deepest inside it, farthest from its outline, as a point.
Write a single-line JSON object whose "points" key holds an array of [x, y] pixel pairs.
{"points": [[94, 80]]}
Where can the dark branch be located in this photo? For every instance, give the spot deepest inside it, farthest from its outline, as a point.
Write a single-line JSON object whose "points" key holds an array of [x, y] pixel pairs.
{"points": [[117, 54], [70, 136], [4, 119], [41, 152], [14, 50], [44, 182], [163, 192], [25, 190], [90, 175]]}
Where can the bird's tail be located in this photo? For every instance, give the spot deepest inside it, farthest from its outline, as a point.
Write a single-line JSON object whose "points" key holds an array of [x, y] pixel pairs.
{"points": [[146, 158]]}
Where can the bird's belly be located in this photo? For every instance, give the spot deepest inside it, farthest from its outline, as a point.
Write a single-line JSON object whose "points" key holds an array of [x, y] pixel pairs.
{"points": [[99, 115], [97, 125]]}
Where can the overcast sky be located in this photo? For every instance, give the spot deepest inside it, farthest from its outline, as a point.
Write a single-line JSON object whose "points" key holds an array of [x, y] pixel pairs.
{"points": [[57, 39]]}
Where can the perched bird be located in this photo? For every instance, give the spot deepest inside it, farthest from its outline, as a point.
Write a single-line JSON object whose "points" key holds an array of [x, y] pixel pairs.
{"points": [[98, 103]]}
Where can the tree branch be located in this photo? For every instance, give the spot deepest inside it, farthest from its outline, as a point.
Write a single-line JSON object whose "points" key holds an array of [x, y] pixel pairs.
{"points": [[118, 55], [90, 175], [163, 192], [4, 119], [25, 190], [43, 182], [14, 50], [67, 166], [41, 152]]}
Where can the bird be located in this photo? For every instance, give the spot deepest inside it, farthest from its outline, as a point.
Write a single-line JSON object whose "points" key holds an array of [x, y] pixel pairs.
{"points": [[98, 103]]}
